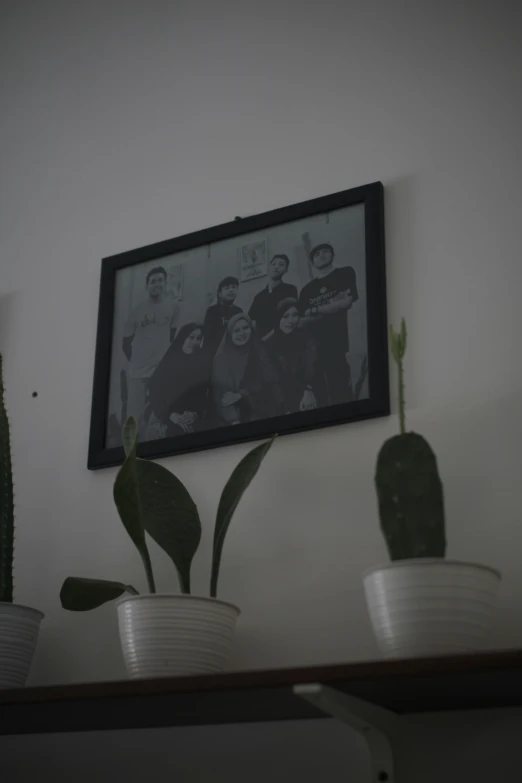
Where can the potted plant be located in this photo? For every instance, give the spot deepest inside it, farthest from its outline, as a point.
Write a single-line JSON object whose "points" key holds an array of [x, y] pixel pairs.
{"points": [[421, 603], [19, 625], [167, 634]]}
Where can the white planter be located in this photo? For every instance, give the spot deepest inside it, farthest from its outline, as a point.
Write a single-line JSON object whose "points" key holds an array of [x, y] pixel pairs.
{"points": [[19, 628], [431, 606], [175, 635]]}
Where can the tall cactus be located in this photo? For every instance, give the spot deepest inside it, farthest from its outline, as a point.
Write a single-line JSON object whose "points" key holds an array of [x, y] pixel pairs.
{"points": [[6, 502], [409, 489]]}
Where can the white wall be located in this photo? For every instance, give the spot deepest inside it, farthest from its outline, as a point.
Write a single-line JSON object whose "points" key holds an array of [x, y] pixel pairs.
{"points": [[124, 123], [479, 747]]}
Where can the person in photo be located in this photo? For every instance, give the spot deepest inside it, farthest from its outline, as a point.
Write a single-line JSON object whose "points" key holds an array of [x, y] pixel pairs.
{"points": [[178, 388], [263, 310], [219, 314], [324, 303], [294, 354], [245, 385], [147, 335]]}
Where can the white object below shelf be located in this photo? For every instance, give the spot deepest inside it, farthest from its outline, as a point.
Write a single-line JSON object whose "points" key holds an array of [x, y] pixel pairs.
{"points": [[378, 726]]}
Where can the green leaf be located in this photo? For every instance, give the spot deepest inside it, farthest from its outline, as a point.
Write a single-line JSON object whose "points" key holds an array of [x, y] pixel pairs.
{"points": [[170, 516], [127, 498], [230, 497], [80, 595], [398, 342]]}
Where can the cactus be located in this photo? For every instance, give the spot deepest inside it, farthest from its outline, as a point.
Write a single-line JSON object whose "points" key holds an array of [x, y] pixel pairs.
{"points": [[6, 502], [409, 489]]}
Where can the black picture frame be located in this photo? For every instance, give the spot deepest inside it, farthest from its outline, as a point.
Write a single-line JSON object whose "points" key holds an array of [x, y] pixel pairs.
{"points": [[376, 404]]}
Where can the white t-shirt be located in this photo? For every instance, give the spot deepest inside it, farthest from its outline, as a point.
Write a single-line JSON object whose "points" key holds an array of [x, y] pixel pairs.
{"points": [[150, 325]]}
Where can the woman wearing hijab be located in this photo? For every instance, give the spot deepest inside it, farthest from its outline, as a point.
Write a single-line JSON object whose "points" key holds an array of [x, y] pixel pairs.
{"points": [[294, 355], [244, 382], [178, 388]]}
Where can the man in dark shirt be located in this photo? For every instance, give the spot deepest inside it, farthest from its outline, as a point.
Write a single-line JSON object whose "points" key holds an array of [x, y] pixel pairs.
{"points": [[324, 303], [263, 311], [219, 315]]}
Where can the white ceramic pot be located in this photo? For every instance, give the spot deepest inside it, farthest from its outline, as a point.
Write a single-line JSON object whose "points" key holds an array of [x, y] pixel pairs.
{"points": [[19, 628], [175, 635], [430, 607]]}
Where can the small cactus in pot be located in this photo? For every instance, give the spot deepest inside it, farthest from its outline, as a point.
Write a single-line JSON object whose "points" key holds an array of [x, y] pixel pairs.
{"points": [[422, 604], [409, 489]]}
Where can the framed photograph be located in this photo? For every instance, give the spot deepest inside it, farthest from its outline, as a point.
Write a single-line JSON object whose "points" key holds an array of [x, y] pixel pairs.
{"points": [[274, 323], [254, 260]]}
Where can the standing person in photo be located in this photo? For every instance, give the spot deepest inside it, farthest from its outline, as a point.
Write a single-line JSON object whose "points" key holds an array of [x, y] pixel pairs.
{"points": [[219, 314], [324, 303], [147, 335], [263, 310]]}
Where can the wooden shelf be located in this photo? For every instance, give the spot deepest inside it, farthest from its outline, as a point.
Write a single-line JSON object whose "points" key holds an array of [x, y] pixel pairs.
{"points": [[462, 682]]}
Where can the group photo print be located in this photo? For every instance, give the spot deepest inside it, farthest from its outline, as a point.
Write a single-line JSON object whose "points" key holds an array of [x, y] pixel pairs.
{"points": [[266, 325]]}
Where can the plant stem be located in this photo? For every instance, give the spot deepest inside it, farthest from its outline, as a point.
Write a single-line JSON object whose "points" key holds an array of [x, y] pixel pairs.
{"points": [[148, 572], [402, 414]]}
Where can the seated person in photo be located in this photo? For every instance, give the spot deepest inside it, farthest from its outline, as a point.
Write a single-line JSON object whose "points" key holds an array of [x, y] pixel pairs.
{"points": [[219, 314], [294, 355], [263, 310], [323, 304], [244, 382], [178, 389]]}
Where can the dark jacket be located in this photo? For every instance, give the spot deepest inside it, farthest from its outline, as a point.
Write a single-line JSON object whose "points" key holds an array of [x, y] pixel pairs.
{"points": [[295, 359], [216, 320]]}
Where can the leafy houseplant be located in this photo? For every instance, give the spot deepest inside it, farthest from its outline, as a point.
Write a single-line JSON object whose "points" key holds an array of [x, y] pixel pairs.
{"points": [[421, 604], [19, 625], [151, 500]]}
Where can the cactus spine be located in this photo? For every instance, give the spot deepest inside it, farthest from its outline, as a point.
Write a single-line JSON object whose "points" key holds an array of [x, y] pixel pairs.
{"points": [[409, 489], [6, 502]]}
